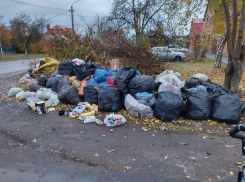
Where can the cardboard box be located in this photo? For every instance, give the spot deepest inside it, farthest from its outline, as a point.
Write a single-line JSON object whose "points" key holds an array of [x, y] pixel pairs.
{"points": [[35, 104], [31, 82], [114, 64]]}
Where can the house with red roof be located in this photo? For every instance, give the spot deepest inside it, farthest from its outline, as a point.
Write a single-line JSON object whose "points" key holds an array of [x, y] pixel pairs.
{"points": [[195, 30], [58, 30]]}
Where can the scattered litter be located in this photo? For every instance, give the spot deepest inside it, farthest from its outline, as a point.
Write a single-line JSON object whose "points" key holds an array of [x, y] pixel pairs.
{"points": [[114, 120], [51, 109], [89, 119], [163, 128], [36, 105]]}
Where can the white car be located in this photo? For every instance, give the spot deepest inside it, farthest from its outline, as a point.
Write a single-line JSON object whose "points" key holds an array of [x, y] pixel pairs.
{"points": [[177, 48], [168, 55]]}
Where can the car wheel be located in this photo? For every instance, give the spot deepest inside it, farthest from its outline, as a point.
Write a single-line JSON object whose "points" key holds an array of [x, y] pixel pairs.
{"points": [[177, 58]]}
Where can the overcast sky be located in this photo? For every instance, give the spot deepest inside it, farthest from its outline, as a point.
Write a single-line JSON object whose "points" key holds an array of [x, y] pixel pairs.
{"points": [[57, 11], [83, 8]]}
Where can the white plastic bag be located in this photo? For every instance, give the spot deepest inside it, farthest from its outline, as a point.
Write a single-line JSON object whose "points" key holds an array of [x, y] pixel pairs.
{"points": [[25, 78], [13, 91], [78, 61], [201, 76], [90, 119], [114, 120], [168, 87], [137, 109], [169, 76]]}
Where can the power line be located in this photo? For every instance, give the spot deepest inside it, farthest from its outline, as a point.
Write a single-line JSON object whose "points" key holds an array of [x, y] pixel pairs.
{"points": [[33, 5], [82, 18], [58, 15]]}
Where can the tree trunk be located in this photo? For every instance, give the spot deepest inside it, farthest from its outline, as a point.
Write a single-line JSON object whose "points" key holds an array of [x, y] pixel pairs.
{"points": [[229, 72], [218, 55], [238, 69], [26, 51], [199, 53]]}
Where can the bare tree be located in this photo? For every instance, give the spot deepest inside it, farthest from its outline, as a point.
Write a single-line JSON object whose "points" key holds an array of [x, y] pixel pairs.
{"points": [[25, 30], [234, 69], [139, 15]]}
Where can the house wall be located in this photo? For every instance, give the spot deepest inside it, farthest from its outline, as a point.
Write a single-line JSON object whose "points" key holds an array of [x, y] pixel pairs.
{"points": [[208, 29], [196, 28]]}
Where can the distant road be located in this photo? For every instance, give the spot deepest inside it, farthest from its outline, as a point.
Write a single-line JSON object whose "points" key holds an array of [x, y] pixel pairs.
{"points": [[10, 68]]}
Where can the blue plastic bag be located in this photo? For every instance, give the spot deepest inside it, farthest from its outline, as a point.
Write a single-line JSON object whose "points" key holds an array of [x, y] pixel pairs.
{"points": [[92, 82], [145, 98], [102, 84], [100, 75]]}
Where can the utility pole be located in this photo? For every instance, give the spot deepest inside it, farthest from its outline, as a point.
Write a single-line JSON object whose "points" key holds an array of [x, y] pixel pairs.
{"points": [[1, 44], [72, 21]]}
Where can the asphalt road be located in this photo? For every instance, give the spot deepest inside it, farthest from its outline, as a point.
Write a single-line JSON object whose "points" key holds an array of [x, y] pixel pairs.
{"points": [[12, 68], [212, 56]]}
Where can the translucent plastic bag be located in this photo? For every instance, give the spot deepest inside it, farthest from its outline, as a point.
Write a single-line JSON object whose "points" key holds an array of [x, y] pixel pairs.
{"points": [[53, 101], [168, 87], [44, 93], [137, 109], [114, 120], [13, 91], [26, 95]]}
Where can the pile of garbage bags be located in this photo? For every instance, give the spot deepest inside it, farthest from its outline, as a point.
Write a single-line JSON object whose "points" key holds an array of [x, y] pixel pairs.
{"points": [[167, 97]]}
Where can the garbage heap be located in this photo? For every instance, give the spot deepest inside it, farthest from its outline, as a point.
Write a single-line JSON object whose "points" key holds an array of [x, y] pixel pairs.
{"points": [[87, 85]]}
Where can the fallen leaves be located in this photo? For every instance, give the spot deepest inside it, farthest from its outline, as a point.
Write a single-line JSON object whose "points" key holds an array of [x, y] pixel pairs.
{"points": [[127, 167], [231, 173], [229, 146]]}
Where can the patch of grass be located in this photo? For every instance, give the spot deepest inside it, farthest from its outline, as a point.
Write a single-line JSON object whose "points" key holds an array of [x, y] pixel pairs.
{"points": [[17, 56], [190, 67]]}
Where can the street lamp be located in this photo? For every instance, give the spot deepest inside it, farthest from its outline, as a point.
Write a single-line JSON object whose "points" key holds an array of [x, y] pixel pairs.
{"points": [[72, 21], [1, 44]]}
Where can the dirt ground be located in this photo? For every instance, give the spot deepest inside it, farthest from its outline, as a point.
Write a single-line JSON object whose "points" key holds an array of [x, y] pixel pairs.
{"points": [[68, 150]]}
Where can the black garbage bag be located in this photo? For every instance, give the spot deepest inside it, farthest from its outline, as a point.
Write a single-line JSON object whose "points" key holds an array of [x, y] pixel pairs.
{"points": [[49, 82], [63, 82], [85, 71], [90, 95], [55, 83], [53, 74], [168, 106], [122, 78], [66, 68], [198, 104], [227, 108], [123, 97], [192, 82], [42, 80], [214, 90], [143, 83], [69, 95], [109, 99], [41, 63], [34, 87]]}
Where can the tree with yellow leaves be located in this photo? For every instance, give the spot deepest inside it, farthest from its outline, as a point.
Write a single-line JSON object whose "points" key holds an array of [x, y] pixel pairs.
{"points": [[6, 35]]}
